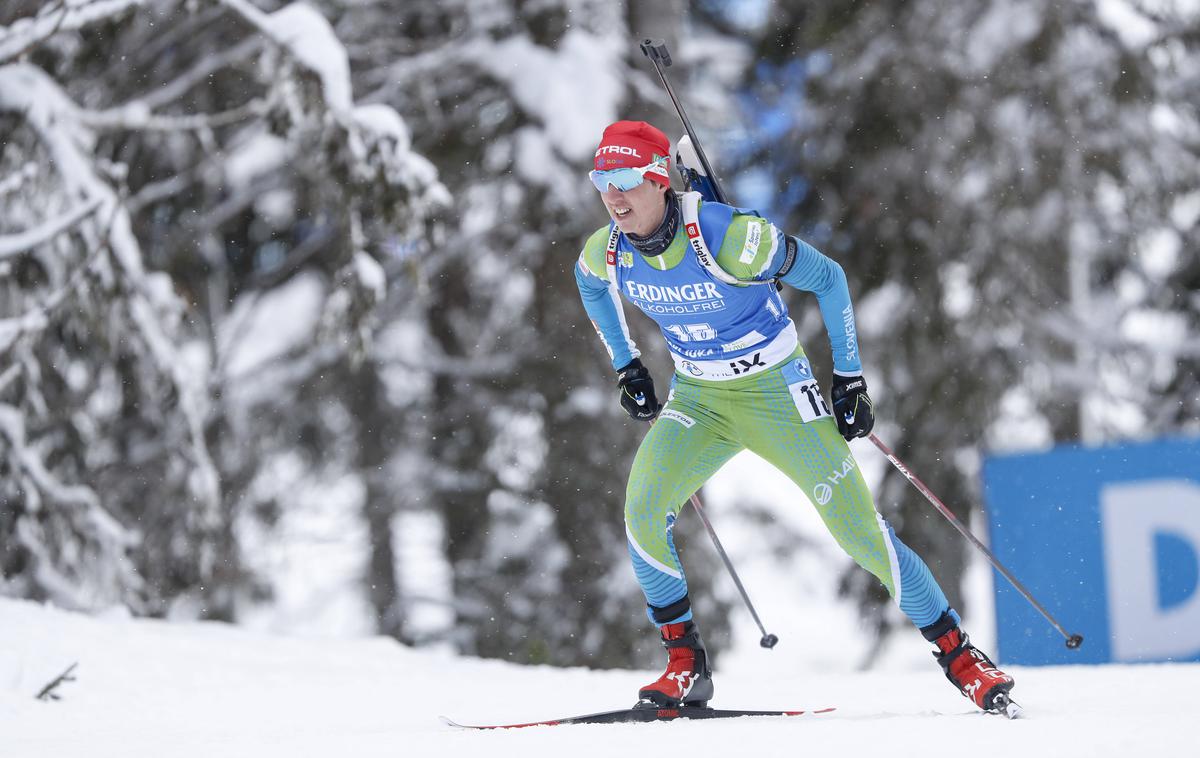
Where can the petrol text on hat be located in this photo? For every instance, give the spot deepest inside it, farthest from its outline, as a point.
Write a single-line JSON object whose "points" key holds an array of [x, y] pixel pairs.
{"points": [[618, 149]]}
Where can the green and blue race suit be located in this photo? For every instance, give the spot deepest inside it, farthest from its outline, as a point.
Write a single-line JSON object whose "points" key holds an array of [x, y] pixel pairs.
{"points": [[741, 381]]}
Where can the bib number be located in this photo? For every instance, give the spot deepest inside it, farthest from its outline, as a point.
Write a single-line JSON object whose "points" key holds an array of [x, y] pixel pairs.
{"points": [[806, 393], [692, 332]]}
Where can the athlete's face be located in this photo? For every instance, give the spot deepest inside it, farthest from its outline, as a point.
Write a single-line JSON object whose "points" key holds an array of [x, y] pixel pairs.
{"points": [[639, 210]]}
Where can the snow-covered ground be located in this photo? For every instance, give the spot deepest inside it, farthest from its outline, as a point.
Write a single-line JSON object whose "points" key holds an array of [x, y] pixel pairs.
{"points": [[151, 688]]}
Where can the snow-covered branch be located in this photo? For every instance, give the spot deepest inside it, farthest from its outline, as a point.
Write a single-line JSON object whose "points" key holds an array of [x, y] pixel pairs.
{"points": [[27, 90], [158, 191], [8, 376], [378, 138], [11, 328], [310, 40], [68, 15], [14, 244], [200, 72], [135, 117], [30, 463], [38, 317], [17, 179]]}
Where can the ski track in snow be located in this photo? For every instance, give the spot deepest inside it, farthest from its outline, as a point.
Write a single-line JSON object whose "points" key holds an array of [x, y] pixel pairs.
{"points": [[152, 688]]}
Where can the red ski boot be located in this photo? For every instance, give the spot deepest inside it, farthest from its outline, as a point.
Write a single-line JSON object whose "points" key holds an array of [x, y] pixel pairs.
{"points": [[688, 679], [968, 669]]}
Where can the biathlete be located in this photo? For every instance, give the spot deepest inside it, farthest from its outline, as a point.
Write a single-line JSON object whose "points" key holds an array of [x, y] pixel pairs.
{"points": [[706, 273]]}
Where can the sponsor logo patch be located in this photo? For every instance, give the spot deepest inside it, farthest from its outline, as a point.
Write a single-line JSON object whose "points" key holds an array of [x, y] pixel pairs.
{"points": [[823, 492], [619, 150], [753, 240], [753, 338], [674, 415], [659, 166], [803, 369], [685, 299], [742, 365]]}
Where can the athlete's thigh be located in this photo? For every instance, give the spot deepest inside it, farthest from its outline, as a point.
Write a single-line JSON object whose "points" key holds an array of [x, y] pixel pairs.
{"points": [[788, 423], [685, 447]]}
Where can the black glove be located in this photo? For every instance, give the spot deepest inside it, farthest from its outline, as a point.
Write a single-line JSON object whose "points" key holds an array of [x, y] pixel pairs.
{"points": [[637, 391], [852, 406]]}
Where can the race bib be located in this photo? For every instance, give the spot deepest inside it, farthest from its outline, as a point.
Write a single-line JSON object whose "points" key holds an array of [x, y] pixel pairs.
{"points": [[806, 393]]}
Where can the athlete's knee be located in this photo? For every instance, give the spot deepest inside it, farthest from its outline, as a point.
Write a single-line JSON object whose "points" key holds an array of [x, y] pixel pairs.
{"points": [[640, 518], [869, 541]]}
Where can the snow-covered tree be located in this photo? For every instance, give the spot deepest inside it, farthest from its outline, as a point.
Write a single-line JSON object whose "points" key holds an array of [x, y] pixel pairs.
{"points": [[166, 166], [231, 285], [324, 334], [526, 447]]}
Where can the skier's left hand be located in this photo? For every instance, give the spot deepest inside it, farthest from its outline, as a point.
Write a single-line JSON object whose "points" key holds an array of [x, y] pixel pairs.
{"points": [[852, 406]]}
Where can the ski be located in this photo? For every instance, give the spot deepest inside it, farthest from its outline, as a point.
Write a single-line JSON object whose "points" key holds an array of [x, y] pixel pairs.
{"points": [[637, 714]]}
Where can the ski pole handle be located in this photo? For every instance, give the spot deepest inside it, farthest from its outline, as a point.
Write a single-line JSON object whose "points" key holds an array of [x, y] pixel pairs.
{"points": [[656, 51]]}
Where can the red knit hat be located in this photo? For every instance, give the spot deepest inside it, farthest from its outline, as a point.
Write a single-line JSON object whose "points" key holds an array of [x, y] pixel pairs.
{"points": [[633, 144]]}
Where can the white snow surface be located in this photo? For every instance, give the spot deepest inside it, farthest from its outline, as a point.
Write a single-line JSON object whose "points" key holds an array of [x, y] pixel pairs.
{"points": [[153, 688]]}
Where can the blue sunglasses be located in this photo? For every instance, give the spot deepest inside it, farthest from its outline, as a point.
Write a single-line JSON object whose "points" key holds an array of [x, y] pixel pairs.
{"points": [[625, 179]]}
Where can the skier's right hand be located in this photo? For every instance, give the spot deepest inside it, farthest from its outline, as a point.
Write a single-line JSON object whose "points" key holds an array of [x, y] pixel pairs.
{"points": [[637, 391]]}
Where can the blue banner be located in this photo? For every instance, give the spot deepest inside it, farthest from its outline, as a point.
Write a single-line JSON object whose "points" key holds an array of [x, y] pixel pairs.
{"points": [[1108, 539]]}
